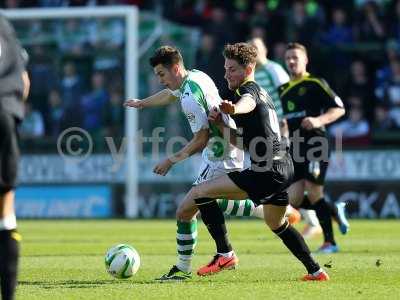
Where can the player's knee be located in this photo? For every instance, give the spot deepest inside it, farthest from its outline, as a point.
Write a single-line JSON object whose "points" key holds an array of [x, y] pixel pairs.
{"points": [[184, 214], [273, 223], [186, 211]]}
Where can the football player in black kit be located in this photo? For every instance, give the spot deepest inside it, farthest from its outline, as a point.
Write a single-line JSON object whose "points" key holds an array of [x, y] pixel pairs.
{"points": [[14, 88], [266, 181], [309, 104]]}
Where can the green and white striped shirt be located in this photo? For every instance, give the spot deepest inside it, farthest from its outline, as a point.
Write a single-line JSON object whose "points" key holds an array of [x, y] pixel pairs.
{"points": [[270, 76], [198, 95]]}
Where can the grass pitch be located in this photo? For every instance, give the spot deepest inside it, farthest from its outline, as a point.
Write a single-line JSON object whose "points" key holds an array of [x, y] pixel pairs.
{"points": [[65, 260]]}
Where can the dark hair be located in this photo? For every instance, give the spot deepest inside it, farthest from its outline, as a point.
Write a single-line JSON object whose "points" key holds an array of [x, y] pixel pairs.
{"points": [[166, 56], [244, 53], [291, 46]]}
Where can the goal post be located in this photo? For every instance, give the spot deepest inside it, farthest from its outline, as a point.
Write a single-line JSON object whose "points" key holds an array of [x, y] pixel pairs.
{"points": [[131, 17]]}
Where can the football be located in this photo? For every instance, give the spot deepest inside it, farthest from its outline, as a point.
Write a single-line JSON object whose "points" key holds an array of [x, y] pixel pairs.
{"points": [[122, 261]]}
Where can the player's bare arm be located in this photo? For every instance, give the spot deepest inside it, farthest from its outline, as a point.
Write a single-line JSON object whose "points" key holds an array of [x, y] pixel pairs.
{"points": [[161, 98], [330, 116], [196, 144], [245, 105]]}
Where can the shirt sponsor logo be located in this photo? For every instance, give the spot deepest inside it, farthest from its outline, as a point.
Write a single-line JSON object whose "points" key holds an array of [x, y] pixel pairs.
{"points": [[294, 115], [191, 117]]}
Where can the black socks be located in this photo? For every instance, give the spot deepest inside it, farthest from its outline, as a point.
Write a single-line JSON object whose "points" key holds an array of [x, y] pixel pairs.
{"points": [[9, 251], [306, 204], [296, 244], [214, 219], [324, 217]]}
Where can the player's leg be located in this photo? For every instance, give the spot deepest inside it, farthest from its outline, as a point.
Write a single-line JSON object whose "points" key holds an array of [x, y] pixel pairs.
{"points": [[274, 215], [186, 234], [204, 196], [337, 212], [9, 238], [186, 240], [296, 193], [315, 194], [297, 200], [240, 208], [312, 227]]}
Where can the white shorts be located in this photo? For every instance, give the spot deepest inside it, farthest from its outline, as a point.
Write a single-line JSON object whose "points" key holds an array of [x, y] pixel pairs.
{"points": [[210, 171]]}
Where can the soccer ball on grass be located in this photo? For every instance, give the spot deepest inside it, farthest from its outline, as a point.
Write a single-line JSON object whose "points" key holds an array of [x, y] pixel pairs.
{"points": [[122, 261]]}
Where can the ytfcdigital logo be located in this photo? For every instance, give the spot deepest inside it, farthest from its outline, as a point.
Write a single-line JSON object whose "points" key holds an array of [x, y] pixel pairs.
{"points": [[75, 145]]}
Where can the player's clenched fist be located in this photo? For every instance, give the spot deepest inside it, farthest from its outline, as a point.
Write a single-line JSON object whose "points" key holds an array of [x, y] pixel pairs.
{"points": [[134, 103], [227, 107], [311, 123]]}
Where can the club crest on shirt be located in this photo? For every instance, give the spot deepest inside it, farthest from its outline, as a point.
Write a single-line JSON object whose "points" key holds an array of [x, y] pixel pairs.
{"points": [[290, 106]]}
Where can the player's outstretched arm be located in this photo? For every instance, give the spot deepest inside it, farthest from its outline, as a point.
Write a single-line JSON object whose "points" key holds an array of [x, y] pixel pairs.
{"points": [[162, 98]]}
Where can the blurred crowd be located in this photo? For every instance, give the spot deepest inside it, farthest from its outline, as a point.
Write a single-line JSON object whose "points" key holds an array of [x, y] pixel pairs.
{"points": [[353, 44], [76, 69]]}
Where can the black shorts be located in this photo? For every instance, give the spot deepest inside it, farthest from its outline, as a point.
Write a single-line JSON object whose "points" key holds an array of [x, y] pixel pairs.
{"points": [[269, 186], [9, 152], [313, 171], [310, 163]]}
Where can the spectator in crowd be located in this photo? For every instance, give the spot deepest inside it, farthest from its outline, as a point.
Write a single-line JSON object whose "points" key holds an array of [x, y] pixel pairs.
{"points": [[209, 60], [71, 88], [383, 122], [383, 73], [220, 27], [55, 117], [389, 92], [354, 130], [33, 125], [93, 104], [393, 21], [114, 114], [339, 33], [71, 85], [43, 77], [368, 26], [300, 26], [360, 85], [106, 35], [260, 16], [72, 36]]}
